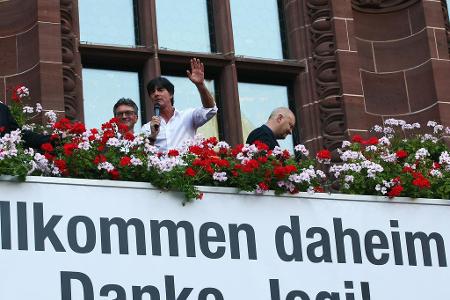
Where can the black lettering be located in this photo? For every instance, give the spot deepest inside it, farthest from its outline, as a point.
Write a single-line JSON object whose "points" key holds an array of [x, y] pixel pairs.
{"points": [[172, 231], [274, 289], [294, 233], [234, 240], [203, 295], [293, 295], [122, 228], [340, 234], [120, 291], [205, 239], [72, 234], [365, 290], [396, 243], [426, 252], [170, 290], [22, 225], [66, 287], [152, 291], [47, 231], [323, 243], [5, 223], [371, 246], [327, 295], [349, 286]]}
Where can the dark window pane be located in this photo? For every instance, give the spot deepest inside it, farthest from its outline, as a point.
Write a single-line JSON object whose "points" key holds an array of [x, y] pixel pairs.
{"points": [[183, 25], [257, 101], [256, 28], [102, 22], [102, 89], [187, 96]]}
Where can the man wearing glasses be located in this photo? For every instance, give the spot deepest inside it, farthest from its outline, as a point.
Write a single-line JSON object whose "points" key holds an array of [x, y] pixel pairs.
{"points": [[127, 112]]}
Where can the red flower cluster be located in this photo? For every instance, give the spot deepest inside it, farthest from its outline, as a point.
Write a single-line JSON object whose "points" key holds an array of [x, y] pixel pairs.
{"points": [[358, 139]]}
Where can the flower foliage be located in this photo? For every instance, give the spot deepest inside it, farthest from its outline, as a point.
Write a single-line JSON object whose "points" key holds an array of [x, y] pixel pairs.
{"points": [[401, 159], [111, 152]]}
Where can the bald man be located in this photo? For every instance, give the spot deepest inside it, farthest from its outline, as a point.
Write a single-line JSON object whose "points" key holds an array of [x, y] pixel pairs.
{"points": [[280, 124]]}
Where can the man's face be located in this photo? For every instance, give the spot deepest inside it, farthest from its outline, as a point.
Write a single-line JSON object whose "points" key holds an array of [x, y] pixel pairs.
{"points": [[162, 97], [285, 126], [127, 116]]}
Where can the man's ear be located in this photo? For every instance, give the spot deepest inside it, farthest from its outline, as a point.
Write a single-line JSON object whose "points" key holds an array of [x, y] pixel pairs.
{"points": [[279, 118]]}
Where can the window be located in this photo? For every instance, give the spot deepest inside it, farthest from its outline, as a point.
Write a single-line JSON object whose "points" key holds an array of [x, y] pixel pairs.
{"points": [[103, 23], [183, 25], [187, 96], [102, 89], [256, 28], [257, 101], [230, 51]]}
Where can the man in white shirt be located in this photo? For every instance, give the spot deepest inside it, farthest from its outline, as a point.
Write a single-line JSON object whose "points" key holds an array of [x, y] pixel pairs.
{"points": [[171, 128]]}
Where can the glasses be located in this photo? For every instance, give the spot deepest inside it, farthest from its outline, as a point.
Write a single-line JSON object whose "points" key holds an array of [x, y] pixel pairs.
{"points": [[127, 113]]}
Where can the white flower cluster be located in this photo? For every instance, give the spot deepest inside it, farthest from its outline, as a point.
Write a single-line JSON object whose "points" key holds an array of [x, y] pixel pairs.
{"points": [[51, 117], [288, 185], [371, 168], [165, 163], [388, 157], [422, 153], [351, 155], [40, 163], [444, 160], [302, 149], [22, 91], [136, 161], [28, 109], [105, 166], [9, 143], [220, 176], [429, 137], [386, 185]]}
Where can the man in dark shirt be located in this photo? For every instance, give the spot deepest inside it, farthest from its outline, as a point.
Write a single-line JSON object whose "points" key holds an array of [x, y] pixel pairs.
{"points": [[8, 124], [280, 124]]}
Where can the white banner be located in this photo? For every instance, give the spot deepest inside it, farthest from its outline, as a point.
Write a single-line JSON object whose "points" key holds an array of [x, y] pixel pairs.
{"points": [[88, 239]]}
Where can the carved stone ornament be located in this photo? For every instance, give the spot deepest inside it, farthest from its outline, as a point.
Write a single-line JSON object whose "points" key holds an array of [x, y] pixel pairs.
{"points": [[68, 36], [327, 84], [381, 6]]}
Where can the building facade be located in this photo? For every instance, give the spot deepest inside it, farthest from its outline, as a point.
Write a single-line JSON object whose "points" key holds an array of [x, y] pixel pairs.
{"points": [[342, 65]]}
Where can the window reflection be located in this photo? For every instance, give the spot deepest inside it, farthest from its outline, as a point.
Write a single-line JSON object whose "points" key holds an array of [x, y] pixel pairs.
{"points": [[183, 25], [448, 8], [103, 23], [256, 28], [186, 96], [102, 89], [257, 101]]}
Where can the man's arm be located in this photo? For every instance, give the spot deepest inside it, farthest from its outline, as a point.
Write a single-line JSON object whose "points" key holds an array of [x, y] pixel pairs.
{"points": [[197, 76], [6, 119]]}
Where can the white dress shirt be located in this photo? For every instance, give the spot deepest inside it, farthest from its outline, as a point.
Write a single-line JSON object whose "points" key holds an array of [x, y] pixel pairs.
{"points": [[182, 126]]}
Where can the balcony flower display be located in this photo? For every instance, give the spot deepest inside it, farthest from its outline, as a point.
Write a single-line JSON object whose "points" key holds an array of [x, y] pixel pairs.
{"points": [[401, 159]]}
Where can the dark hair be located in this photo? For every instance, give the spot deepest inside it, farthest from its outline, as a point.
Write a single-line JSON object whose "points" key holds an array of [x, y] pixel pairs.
{"points": [[125, 101], [161, 82]]}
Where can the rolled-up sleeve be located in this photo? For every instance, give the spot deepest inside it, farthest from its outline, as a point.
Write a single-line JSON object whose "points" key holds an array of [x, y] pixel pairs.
{"points": [[202, 115]]}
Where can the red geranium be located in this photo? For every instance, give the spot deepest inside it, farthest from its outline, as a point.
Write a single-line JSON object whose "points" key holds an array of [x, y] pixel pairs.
{"points": [[125, 161], [357, 138], [401, 154], [47, 147], [173, 153], [190, 172], [395, 191]]}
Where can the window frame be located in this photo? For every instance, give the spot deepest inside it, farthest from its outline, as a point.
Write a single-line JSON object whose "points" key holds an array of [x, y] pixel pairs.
{"points": [[223, 65]]}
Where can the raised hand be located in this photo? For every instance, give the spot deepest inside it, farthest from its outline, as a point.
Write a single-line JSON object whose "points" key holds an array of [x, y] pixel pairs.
{"points": [[197, 73]]}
